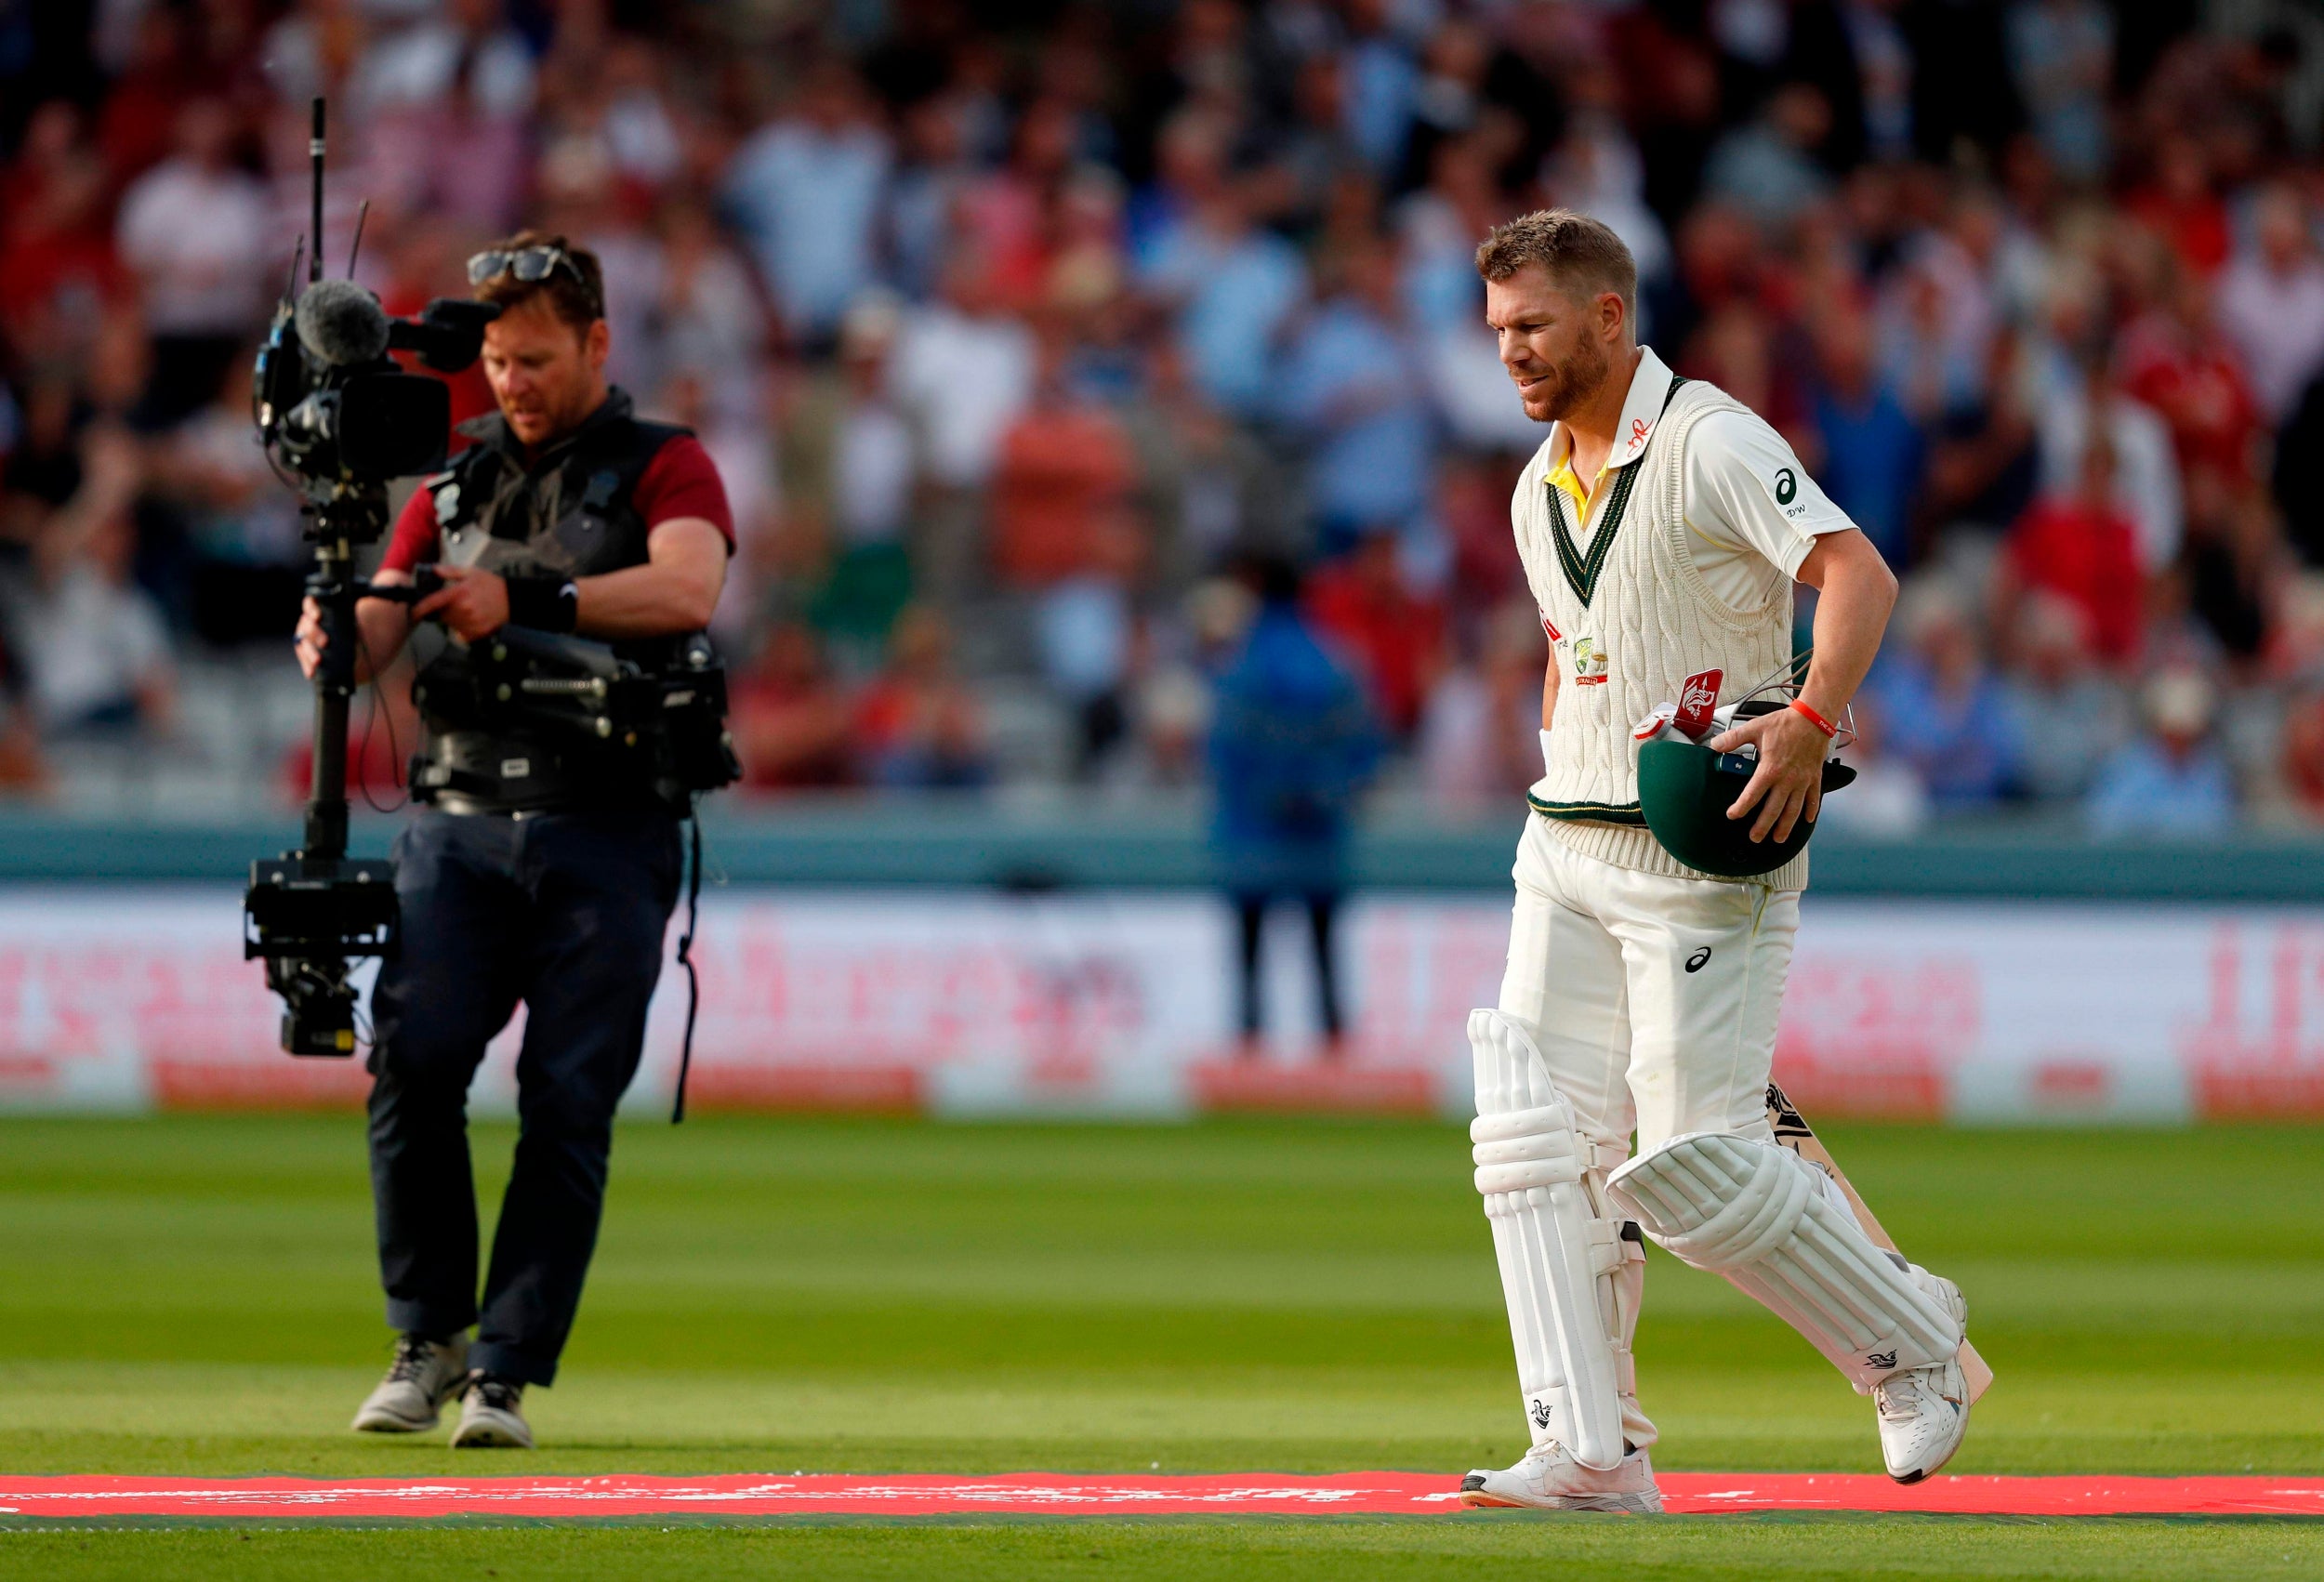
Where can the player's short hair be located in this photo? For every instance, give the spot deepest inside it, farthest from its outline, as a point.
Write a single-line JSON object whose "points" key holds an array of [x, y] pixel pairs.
{"points": [[575, 295], [1582, 255]]}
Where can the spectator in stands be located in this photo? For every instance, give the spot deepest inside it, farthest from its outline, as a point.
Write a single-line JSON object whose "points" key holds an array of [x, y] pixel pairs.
{"points": [[1089, 631], [1392, 637], [2174, 359], [2061, 55], [2271, 303], [1476, 735], [2180, 207], [1872, 449], [2172, 780], [2082, 548], [1233, 287], [966, 373], [1062, 480], [806, 191], [138, 121], [916, 726], [791, 722], [241, 526], [1767, 169], [1291, 746], [1932, 331], [60, 277], [445, 100], [2081, 400], [1733, 346], [1943, 708], [1383, 84], [93, 644], [704, 313], [923, 192], [847, 466], [1170, 710], [193, 230], [2074, 714], [1352, 384]]}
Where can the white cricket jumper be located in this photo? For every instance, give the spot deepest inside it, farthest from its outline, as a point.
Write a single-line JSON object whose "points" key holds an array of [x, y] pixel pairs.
{"points": [[1631, 618]]}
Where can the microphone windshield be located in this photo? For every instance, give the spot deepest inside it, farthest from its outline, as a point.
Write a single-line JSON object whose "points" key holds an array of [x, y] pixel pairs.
{"points": [[341, 323]]}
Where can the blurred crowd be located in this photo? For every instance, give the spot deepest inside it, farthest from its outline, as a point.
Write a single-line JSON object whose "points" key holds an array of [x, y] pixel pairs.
{"points": [[1014, 327]]}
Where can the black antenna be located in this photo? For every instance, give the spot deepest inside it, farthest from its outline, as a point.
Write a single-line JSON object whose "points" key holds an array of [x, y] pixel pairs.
{"points": [[298, 256], [355, 248], [314, 155]]}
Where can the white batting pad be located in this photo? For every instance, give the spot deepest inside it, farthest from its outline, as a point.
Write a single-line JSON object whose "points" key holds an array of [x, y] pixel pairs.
{"points": [[1559, 1256], [1759, 1215]]}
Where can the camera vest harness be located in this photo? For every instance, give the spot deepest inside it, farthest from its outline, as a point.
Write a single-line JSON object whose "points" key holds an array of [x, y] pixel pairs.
{"points": [[567, 512]]}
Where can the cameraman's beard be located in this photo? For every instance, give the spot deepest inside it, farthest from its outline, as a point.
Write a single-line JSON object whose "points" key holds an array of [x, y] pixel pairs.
{"points": [[1575, 382]]}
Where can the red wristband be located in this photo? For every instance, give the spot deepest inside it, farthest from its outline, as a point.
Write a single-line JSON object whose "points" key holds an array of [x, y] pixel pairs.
{"points": [[1826, 726]]}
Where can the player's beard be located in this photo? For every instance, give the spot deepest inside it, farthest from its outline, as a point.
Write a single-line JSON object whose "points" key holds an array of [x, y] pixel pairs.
{"points": [[1573, 382]]}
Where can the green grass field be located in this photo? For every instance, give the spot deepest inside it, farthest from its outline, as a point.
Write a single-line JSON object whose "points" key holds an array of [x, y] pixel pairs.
{"points": [[195, 1296]]}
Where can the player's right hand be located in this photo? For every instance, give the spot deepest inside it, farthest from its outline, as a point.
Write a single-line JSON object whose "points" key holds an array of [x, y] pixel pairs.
{"points": [[309, 639]]}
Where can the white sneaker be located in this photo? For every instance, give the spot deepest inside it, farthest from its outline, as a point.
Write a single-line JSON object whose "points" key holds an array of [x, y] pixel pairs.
{"points": [[491, 1416], [425, 1375], [1548, 1479], [1924, 1412]]}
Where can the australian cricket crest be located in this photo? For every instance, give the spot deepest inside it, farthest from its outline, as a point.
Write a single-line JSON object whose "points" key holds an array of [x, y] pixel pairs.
{"points": [[1590, 662]]}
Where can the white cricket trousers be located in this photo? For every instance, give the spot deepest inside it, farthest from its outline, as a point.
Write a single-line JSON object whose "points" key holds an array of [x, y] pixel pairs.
{"points": [[1653, 999]]}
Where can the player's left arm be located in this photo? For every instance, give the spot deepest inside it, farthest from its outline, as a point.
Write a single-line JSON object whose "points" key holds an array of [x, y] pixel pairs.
{"points": [[1857, 591], [1750, 487]]}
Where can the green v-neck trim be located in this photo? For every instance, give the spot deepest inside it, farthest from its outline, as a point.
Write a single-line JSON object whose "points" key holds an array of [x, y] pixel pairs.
{"points": [[1581, 570]]}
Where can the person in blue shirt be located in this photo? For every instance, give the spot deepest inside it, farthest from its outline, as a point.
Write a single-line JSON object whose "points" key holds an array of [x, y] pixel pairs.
{"points": [[1292, 745], [1873, 450], [1945, 708], [2173, 781], [1351, 385]]}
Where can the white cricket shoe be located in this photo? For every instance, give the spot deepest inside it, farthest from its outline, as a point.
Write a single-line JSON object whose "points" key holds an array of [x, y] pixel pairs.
{"points": [[491, 1416], [425, 1375], [1924, 1412], [1548, 1479]]}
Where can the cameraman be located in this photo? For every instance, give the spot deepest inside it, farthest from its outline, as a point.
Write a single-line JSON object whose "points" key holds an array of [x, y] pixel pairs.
{"points": [[540, 874]]}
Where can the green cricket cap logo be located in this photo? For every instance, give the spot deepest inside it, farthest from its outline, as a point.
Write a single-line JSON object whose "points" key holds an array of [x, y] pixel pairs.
{"points": [[1787, 486]]}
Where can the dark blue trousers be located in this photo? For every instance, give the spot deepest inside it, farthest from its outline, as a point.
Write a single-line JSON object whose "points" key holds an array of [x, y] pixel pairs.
{"points": [[567, 913]]}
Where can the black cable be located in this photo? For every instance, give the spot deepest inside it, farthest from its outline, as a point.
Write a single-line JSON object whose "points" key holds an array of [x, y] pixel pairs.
{"points": [[371, 723], [686, 959]]}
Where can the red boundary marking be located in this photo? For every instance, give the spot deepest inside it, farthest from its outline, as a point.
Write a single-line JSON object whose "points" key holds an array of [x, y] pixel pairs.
{"points": [[1097, 1495]]}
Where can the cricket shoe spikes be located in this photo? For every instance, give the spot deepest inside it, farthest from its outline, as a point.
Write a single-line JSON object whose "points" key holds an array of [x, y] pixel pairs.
{"points": [[1924, 1412], [425, 1375], [1549, 1479], [491, 1416]]}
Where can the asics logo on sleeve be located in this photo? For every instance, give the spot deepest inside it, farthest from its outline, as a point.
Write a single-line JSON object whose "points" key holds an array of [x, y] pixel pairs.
{"points": [[1695, 962]]}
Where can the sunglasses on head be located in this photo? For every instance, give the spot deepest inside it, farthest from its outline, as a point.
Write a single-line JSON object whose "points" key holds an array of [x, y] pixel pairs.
{"points": [[528, 264]]}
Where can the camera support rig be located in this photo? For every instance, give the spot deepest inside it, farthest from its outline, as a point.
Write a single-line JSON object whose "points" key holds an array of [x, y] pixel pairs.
{"points": [[313, 912]]}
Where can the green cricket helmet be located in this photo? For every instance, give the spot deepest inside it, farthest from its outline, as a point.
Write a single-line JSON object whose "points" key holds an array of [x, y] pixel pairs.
{"points": [[1684, 789]]}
